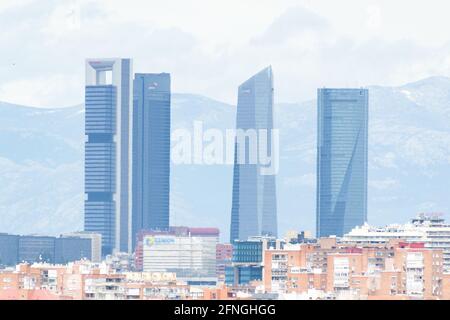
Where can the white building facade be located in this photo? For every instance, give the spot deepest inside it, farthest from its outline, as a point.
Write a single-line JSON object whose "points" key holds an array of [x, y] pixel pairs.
{"points": [[192, 258], [432, 230]]}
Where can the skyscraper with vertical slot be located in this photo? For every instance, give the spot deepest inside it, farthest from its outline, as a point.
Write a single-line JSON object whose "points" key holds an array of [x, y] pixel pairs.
{"points": [[108, 123]]}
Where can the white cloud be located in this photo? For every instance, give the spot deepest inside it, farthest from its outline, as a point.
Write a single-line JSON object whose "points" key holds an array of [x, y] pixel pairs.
{"points": [[64, 19], [293, 22], [374, 17], [8, 4], [42, 91], [211, 47]]}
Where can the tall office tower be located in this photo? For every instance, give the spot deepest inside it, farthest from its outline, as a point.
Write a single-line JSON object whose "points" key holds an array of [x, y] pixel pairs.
{"points": [[151, 152], [254, 207], [108, 152], [341, 160]]}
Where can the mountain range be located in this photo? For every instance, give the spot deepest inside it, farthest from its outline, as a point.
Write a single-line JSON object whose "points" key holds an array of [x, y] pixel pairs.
{"points": [[41, 162]]}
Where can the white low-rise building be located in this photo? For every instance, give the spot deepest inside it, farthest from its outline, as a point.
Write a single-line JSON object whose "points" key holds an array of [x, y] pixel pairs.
{"points": [[191, 256], [432, 230]]}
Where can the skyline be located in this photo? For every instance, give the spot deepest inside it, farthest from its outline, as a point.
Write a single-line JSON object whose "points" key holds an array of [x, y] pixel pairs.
{"points": [[235, 152], [372, 47], [246, 89], [386, 160], [342, 125], [422, 147], [127, 193]]}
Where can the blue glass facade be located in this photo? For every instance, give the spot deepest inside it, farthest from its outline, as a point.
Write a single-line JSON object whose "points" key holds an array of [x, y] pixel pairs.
{"points": [[100, 164], [37, 249], [69, 249], [15, 249], [107, 153], [242, 275], [247, 252], [124, 138], [9, 249], [342, 160], [151, 152], [247, 260], [254, 207], [250, 273]]}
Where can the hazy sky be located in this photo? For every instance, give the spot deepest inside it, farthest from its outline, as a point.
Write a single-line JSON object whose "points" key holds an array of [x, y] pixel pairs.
{"points": [[211, 46]]}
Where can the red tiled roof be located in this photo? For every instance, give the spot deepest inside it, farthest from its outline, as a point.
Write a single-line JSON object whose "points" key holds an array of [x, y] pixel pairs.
{"points": [[204, 231]]}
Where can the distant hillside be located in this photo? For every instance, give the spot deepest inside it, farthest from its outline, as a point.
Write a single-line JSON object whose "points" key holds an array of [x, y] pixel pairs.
{"points": [[41, 162]]}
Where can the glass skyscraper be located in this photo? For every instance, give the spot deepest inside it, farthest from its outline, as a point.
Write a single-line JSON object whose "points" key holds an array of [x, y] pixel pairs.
{"points": [[151, 152], [254, 205], [108, 101], [341, 160]]}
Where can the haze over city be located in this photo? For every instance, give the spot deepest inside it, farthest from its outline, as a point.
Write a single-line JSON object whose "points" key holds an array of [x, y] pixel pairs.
{"points": [[224, 150]]}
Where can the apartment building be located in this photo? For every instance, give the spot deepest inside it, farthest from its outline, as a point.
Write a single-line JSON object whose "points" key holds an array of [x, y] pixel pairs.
{"points": [[89, 281], [397, 270], [430, 229]]}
